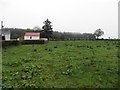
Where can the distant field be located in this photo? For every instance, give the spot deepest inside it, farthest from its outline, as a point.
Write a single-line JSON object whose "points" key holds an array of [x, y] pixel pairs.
{"points": [[62, 64]]}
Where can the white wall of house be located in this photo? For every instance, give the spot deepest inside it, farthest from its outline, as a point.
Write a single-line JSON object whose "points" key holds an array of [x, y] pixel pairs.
{"points": [[6, 34], [31, 38]]}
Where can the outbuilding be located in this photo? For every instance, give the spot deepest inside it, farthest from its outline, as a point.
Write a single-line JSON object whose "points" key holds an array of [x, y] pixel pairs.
{"points": [[5, 34], [32, 36]]}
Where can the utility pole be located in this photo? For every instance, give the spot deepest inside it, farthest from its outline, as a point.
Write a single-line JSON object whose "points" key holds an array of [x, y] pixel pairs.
{"points": [[1, 31], [2, 25], [1, 53], [118, 36]]}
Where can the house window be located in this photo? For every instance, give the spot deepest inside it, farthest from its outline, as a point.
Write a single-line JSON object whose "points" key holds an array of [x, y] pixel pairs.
{"points": [[30, 37]]}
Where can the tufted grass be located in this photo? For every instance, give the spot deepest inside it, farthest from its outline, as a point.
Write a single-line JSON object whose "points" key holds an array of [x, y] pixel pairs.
{"points": [[61, 64]]}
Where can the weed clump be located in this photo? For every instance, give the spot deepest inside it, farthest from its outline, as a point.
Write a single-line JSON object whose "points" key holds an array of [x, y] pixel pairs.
{"points": [[55, 47], [46, 48], [35, 50], [50, 50]]}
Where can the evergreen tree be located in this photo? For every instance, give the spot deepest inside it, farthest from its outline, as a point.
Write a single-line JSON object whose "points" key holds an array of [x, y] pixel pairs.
{"points": [[47, 29]]}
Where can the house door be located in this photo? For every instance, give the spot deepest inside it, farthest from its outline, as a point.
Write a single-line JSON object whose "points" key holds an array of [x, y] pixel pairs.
{"points": [[3, 37]]}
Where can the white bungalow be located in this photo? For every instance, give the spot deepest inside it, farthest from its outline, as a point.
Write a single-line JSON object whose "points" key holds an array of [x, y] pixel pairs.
{"points": [[32, 36]]}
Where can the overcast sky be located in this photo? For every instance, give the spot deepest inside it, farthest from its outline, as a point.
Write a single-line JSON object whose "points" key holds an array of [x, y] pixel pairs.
{"points": [[83, 16]]}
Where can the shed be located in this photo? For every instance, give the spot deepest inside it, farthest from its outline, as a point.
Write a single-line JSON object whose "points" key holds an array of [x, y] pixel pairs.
{"points": [[32, 36]]}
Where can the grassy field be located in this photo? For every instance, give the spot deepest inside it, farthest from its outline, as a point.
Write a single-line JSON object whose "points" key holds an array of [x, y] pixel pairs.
{"points": [[62, 64]]}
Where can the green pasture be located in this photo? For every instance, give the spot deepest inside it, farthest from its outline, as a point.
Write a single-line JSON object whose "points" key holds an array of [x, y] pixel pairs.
{"points": [[61, 64]]}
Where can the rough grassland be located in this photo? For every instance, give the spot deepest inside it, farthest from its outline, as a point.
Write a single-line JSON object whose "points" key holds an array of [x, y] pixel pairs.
{"points": [[61, 64]]}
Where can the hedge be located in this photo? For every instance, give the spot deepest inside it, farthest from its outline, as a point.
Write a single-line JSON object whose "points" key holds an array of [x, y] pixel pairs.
{"points": [[9, 43], [22, 42], [32, 42]]}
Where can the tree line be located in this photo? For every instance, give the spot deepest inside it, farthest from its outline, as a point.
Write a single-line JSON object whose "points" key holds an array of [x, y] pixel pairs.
{"points": [[47, 32], [56, 35]]}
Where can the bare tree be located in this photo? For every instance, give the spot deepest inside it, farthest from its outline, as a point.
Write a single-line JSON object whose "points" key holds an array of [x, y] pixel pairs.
{"points": [[37, 28]]}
